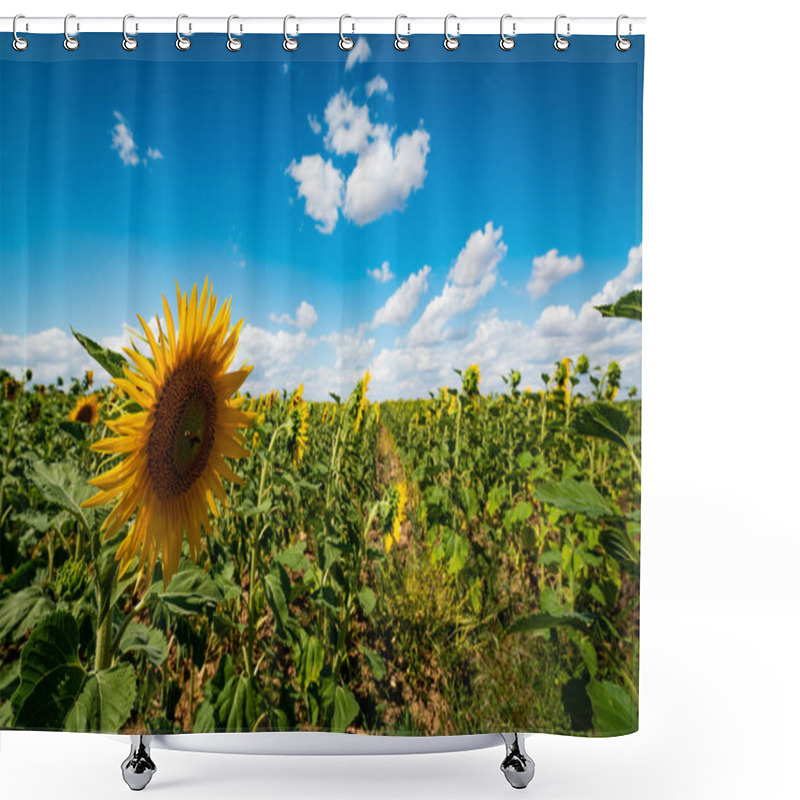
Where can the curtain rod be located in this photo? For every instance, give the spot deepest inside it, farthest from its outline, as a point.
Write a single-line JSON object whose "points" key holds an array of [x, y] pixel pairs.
{"points": [[352, 25]]}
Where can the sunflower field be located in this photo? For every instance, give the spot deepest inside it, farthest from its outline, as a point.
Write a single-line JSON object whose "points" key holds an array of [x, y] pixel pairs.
{"points": [[179, 555]]}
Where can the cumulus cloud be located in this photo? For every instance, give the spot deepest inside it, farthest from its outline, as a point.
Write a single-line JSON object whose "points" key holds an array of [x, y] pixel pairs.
{"points": [[314, 124], [358, 54], [384, 176], [377, 85], [349, 126], [549, 269], [381, 274], [276, 357], [123, 142], [50, 354], [322, 186], [401, 305], [473, 275], [305, 317]]}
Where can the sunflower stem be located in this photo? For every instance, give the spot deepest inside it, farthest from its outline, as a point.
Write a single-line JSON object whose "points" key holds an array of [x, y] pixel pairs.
{"points": [[102, 657]]}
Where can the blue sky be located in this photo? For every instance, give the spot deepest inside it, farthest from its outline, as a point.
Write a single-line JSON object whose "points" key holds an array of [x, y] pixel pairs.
{"points": [[403, 212]]}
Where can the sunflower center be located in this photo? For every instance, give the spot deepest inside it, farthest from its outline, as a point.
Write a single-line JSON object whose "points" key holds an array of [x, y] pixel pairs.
{"points": [[183, 431], [85, 414]]}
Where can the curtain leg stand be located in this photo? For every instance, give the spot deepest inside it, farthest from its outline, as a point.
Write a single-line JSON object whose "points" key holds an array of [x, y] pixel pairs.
{"points": [[517, 766], [138, 768]]}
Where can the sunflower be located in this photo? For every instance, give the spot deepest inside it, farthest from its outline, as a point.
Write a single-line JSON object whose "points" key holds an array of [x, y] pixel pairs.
{"points": [[87, 410], [471, 381], [395, 514], [360, 397], [176, 442], [11, 389], [89, 377], [298, 426]]}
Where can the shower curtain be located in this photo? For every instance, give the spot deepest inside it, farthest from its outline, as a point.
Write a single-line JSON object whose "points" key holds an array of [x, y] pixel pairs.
{"points": [[321, 384]]}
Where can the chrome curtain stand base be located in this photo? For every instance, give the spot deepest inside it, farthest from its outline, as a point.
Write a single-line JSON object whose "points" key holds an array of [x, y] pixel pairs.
{"points": [[517, 766], [138, 768]]}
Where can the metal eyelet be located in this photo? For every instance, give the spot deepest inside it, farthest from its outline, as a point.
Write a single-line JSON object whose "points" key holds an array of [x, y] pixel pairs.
{"points": [[19, 44], [128, 42], [70, 42], [345, 42], [182, 42], [561, 43], [289, 44], [401, 42], [233, 44], [622, 44], [507, 42], [451, 42]]}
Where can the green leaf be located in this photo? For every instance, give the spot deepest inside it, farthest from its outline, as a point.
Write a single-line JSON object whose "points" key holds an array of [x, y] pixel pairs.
{"points": [[77, 430], [63, 485], [629, 306], [602, 421], [312, 662], [549, 557], [376, 663], [21, 611], [543, 620], [105, 702], [109, 360], [150, 642], [191, 591], [293, 558], [570, 495], [613, 709], [619, 546], [520, 513], [458, 551], [236, 705], [345, 709], [51, 676], [367, 600]]}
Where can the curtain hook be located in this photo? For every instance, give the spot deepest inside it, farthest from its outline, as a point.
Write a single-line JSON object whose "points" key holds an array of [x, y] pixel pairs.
{"points": [[19, 43], [233, 44], [128, 42], [451, 42], [507, 42], [345, 42], [561, 43], [181, 42], [401, 42], [623, 44], [289, 44], [70, 42]]}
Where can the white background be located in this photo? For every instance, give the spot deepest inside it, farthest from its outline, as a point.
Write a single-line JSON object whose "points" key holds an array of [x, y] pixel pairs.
{"points": [[721, 561]]}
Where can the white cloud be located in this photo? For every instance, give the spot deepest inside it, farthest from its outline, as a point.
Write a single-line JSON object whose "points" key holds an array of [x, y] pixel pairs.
{"points": [[358, 54], [50, 354], [349, 126], [277, 358], [122, 142], [549, 269], [383, 178], [382, 274], [305, 317], [377, 85], [314, 124], [472, 277], [322, 186], [401, 305]]}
